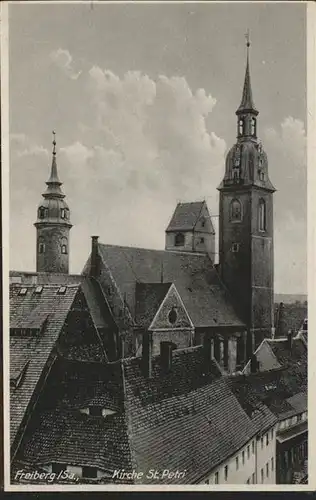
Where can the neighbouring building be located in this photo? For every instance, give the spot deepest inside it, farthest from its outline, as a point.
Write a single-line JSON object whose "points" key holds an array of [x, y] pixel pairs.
{"points": [[280, 368]]}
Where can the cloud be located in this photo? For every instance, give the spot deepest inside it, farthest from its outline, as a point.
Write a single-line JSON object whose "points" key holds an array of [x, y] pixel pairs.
{"points": [[22, 146], [63, 59], [286, 148]]}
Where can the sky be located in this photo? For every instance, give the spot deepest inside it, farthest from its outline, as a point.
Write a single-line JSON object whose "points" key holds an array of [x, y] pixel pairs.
{"points": [[143, 98]]}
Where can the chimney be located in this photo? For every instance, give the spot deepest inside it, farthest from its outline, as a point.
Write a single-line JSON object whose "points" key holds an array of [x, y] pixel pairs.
{"points": [[94, 263], [208, 344], [290, 340], [147, 354], [254, 364], [166, 348]]}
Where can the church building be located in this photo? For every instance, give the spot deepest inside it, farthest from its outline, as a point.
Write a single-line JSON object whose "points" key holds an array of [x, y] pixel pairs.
{"points": [[143, 343], [178, 295]]}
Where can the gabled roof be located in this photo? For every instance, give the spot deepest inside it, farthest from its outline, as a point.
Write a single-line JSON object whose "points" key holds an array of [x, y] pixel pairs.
{"points": [[34, 350], [149, 297], [204, 296], [185, 216]]}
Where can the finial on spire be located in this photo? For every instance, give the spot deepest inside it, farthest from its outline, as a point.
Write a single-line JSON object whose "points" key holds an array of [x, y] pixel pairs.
{"points": [[54, 142], [247, 36], [54, 175]]}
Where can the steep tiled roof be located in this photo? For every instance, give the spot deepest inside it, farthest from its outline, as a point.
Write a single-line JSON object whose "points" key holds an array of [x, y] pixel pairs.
{"points": [[185, 216], [36, 350], [259, 413], [60, 433], [98, 309], [194, 276], [173, 420], [280, 390], [149, 297], [176, 419]]}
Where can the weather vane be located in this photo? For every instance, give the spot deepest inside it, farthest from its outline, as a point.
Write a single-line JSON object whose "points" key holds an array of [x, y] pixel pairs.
{"points": [[54, 142]]}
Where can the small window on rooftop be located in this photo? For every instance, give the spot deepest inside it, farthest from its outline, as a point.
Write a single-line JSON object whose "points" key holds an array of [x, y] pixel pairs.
{"points": [[96, 411], [89, 472], [62, 290], [57, 468], [38, 289], [23, 291]]}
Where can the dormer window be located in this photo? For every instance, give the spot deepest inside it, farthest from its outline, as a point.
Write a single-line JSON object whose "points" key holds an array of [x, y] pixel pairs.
{"points": [[23, 291], [97, 411], [179, 240], [89, 472]]}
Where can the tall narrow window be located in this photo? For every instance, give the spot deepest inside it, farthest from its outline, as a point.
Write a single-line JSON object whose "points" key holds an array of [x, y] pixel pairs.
{"points": [[179, 240], [262, 215], [41, 247], [253, 127], [240, 126], [41, 212], [64, 245], [235, 211]]}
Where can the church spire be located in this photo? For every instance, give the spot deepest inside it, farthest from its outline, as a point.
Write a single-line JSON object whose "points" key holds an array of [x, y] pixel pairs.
{"points": [[247, 104], [53, 179], [53, 183]]}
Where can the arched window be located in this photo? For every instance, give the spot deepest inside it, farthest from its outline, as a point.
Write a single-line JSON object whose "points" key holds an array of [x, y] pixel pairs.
{"points": [[235, 211], [41, 247], [253, 126], [179, 240], [262, 215], [240, 126], [64, 246], [42, 212], [63, 213], [236, 174]]}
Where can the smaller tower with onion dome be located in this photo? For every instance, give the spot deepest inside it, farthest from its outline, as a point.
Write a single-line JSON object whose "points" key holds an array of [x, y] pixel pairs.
{"points": [[53, 226]]}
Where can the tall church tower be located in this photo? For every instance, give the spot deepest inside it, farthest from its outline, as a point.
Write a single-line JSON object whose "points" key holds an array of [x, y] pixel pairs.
{"points": [[53, 226], [246, 224]]}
